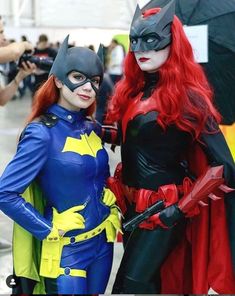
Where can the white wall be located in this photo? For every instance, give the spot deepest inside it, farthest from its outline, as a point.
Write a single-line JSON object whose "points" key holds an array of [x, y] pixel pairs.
{"points": [[115, 14], [142, 2], [112, 14], [5, 7]]}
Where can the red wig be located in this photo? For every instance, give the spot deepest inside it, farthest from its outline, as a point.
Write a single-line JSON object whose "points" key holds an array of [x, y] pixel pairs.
{"points": [[183, 94], [47, 95]]}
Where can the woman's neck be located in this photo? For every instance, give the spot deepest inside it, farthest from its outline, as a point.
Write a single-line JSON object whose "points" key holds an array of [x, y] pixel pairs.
{"points": [[151, 80]]}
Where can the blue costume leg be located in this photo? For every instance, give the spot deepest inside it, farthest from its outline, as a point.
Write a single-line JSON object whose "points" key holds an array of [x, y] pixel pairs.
{"points": [[95, 257], [72, 284], [99, 272], [66, 285]]}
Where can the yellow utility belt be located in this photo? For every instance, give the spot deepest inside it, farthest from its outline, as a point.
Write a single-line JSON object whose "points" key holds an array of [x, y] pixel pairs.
{"points": [[52, 249], [84, 236]]}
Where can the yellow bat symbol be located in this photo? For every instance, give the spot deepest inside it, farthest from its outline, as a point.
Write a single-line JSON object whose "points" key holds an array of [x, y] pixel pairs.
{"points": [[87, 145]]}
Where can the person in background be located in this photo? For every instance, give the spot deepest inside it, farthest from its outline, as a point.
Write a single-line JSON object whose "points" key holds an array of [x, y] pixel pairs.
{"points": [[24, 38], [28, 81], [10, 70], [14, 50], [116, 57], [45, 51], [10, 53], [91, 47]]}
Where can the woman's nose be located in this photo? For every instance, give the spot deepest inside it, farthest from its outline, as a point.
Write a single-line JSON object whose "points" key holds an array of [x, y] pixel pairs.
{"points": [[87, 86]]}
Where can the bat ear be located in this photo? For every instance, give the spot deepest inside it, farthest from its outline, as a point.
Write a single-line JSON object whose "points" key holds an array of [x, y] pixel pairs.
{"points": [[60, 59], [166, 13], [100, 53], [137, 14]]}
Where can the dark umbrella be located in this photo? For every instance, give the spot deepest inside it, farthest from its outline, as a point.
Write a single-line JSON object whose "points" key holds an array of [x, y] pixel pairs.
{"points": [[220, 70]]}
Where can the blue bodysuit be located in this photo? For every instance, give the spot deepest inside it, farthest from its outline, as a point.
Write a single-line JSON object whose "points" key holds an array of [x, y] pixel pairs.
{"points": [[70, 166]]}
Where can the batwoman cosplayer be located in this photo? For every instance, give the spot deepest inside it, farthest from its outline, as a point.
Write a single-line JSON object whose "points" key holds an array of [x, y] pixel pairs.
{"points": [[169, 137], [55, 186]]}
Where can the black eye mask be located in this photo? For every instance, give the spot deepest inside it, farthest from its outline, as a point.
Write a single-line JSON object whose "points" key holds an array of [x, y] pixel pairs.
{"points": [[79, 59], [83, 80], [154, 31]]}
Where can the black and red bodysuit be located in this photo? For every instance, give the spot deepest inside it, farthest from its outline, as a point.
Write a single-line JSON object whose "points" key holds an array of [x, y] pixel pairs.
{"points": [[154, 157]]}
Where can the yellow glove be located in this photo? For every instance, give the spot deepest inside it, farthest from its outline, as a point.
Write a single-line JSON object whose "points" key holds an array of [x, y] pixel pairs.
{"points": [[69, 219], [113, 224], [109, 198], [53, 235]]}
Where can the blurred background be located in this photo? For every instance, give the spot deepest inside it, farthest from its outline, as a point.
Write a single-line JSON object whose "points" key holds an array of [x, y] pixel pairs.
{"points": [[88, 22]]}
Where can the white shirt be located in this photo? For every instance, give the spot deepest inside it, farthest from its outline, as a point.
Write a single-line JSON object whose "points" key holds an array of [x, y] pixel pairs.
{"points": [[116, 61]]}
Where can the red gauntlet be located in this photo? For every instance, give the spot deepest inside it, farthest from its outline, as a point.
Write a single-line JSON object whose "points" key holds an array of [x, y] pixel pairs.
{"points": [[145, 198], [115, 185], [187, 206]]}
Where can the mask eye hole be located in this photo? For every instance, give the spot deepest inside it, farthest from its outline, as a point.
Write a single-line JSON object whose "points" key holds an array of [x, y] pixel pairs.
{"points": [[79, 77], [76, 77], [96, 81], [133, 41], [150, 38]]}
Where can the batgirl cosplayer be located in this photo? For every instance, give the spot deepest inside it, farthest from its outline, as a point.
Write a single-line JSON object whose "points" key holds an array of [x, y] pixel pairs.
{"points": [[170, 140], [55, 186]]}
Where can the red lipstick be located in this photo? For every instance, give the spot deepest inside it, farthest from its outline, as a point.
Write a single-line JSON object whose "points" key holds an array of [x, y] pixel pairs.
{"points": [[84, 96], [142, 60]]}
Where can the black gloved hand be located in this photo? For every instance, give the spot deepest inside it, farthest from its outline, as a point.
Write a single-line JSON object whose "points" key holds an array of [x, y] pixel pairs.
{"points": [[171, 215]]}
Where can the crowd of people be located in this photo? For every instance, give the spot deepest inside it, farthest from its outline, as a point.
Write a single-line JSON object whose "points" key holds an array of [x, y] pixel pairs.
{"points": [[176, 176]]}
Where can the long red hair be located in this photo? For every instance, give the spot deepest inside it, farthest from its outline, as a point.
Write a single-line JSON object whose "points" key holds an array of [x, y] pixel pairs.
{"points": [[183, 94], [47, 95]]}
